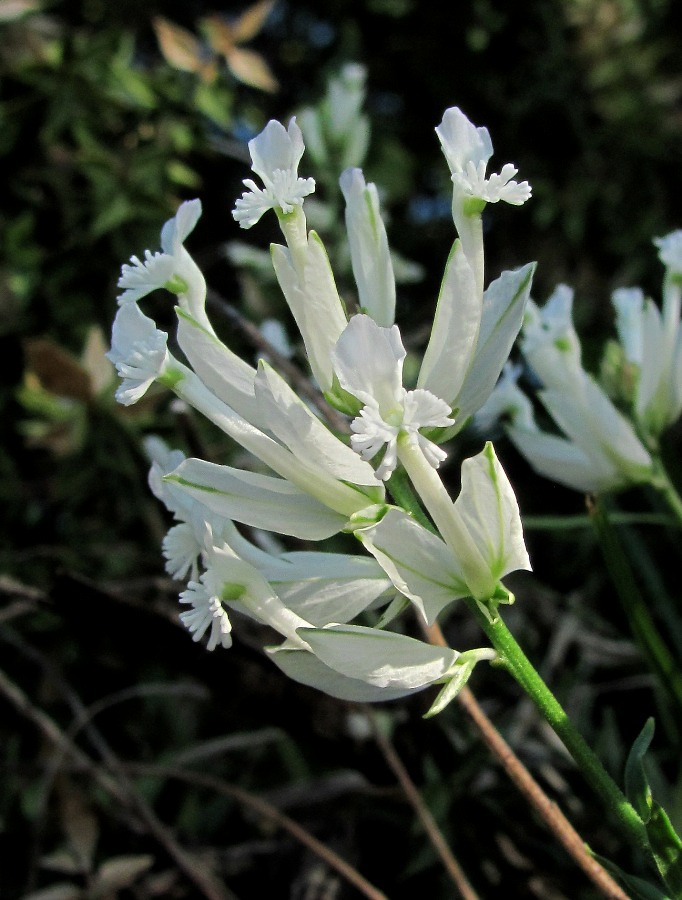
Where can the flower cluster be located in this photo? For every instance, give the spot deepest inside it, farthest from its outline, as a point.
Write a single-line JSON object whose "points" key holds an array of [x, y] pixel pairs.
{"points": [[611, 430], [308, 482]]}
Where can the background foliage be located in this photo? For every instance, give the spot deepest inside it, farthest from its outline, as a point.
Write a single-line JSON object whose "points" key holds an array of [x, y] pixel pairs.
{"points": [[103, 130]]}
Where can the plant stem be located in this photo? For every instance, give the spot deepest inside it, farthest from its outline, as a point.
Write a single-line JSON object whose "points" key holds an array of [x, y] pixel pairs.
{"points": [[429, 823], [518, 664], [634, 605], [547, 809], [665, 487]]}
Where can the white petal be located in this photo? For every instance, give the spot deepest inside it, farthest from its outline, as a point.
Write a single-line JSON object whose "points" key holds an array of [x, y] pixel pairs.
{"points": [[455, 330], [306, 668], [335, 494], [314, 303], [368, 361], [276, 148], [381, 658], [461, 141], [176, 230], [503, 306], [226, 374], [652, 362], [144, 276], [303, 433], [670, 251], [590, 419], [206, 613], [370, 255], [420, 564], [488, 509], [227, 573], [327, 587], [562, 461], [257, 500], [629, 306], [138, 350]]}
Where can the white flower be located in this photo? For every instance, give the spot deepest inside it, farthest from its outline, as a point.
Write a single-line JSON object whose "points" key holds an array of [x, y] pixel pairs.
{"points": [[139, 352], [652, 340], [207, 612], [363, 664], [370, 255], [173, 268], [467, 150], [670, 251], [307, 282], [275, 154], [181, 550], [369, 362], [507, 399], [419, 563], [601, 451], [629, 306]]}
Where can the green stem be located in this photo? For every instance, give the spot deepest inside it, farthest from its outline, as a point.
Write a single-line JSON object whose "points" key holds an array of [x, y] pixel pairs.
{"points": [[641, 622], [665, 487], [520, 667]]}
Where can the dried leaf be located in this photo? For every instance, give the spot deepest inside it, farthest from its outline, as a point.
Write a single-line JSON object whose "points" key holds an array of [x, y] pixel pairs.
{"points": [[100, 370], [119, 873], [219, 33], [11, 10], [57, 371], [183, 50], [250, 22], [64, 862], [250, 68], [79, 825], [60, 891]]}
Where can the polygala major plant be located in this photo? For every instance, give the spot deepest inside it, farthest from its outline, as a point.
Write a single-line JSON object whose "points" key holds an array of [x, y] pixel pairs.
{"points": [[380, 483]]}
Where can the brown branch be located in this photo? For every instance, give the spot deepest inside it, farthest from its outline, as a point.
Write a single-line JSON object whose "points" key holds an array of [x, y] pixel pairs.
{"points": [[332, 859], [433, 832], [547, 809], [119, 787]]}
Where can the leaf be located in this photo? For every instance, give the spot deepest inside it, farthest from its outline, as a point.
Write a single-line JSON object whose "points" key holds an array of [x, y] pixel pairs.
{"points": [[250, 68], [11, 10], [637, 787], [452, 688], [183, 50], [100, 371], [63, 890], [79, 825], [251, 21], [667, 848], [119, 873], [58, 372], [637, 888]]}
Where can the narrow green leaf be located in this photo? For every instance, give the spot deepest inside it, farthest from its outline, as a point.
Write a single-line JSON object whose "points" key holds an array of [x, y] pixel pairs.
{"points": [[637, 888], [667, 848], [637, 786]]}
